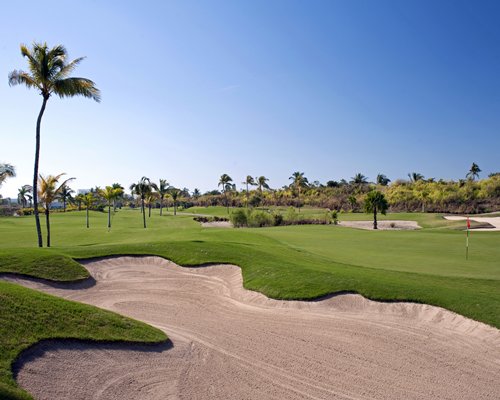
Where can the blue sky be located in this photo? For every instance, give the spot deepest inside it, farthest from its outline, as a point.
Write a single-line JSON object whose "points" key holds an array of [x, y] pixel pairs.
{"points": [[195, 89]]}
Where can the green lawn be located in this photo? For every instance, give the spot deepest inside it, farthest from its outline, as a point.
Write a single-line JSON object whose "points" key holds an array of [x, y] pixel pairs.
{"points": [[294, 262]]}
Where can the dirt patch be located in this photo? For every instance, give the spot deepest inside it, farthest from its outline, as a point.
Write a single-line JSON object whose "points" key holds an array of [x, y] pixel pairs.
{"points": [[382, 225], [231, 343], [217, 224]]}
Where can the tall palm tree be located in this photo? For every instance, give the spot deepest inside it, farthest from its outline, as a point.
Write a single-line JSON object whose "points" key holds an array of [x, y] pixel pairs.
{"points": [[65, 195], [88, 199], [149, 200], [24, 195], [261, 182], [6, 171], [299, 181], [109, 194], [142, 189], [162, 190], [359, 179], [375, 202], [225, 181], [415, 177], [174, 193], [473, 172], [48, 191], [382, 180], [249, 181], [49, 73]]}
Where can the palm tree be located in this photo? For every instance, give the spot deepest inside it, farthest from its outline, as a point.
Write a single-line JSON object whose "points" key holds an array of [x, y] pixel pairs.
{"points": [[196, 193], [225, 181], [65, 195], [48, 191], [6, 171], [473, 172], [80, 198], [49, 73], [382, 180], [174, 193], [249, 181], [24, 196], [149, 200], [261, 182], [415, 177], [88, 199], [109, 194], [375, 202], [299, 182], [359, 179], [119, 193], [162, 190], [142, 189]]}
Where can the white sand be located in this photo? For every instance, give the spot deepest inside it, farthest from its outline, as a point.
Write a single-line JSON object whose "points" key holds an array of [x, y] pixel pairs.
{"points": [[382, 225], [230, 343], [217, 224], [493, 221]]}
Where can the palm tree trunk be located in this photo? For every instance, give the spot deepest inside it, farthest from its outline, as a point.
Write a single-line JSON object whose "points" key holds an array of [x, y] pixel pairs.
{"points": [[109, 215], [161, 206], [35, 173], [87, 217], [47, 219], [149, 206], [64, 205], [175, 207], [143, 213], [227, 204], [375, 218], [248, 194]]}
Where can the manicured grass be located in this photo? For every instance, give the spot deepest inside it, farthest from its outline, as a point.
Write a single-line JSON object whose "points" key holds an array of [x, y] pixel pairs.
{"points": [[294, 262]]}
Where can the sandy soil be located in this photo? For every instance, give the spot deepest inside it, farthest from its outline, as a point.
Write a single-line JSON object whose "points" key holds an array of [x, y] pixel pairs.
{"points": [[217, 224], [382, 225], [493, 221], [230, 343]]}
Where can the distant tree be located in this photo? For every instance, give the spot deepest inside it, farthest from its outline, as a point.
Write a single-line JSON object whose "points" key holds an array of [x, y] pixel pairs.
{"points": [[110, 194], [415, 177], [359, 179], [49, 74], [299, 181], [196, 193], [120, 191], [332, 184], [79, 198], [24, 195], [174, 193], [65, 195], [249, 181], [493, 174], [473, 172], [88, 199], [162, 190], [141, 189], [382, 180], [6, 171], [48, 191], [352, 201], [225, 181], [261, 182], [375, 202]]}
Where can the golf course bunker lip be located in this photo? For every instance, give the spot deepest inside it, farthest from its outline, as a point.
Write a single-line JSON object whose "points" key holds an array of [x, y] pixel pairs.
{"points": [[229, 342], [384, 225]]}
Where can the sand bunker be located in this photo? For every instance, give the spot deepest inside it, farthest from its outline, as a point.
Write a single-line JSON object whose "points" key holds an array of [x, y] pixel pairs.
{"points": [[217, 224], [382, 225], [493, 221], [230, 343]]}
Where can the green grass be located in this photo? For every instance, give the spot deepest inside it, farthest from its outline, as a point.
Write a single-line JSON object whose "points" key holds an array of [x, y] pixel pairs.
{"points": [[294, 262]]}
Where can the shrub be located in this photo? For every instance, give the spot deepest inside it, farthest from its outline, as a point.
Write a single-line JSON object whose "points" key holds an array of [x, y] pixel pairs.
{"points": [[335, 217], [239, 218], [291, 215], [258, 219], [278, 219]]}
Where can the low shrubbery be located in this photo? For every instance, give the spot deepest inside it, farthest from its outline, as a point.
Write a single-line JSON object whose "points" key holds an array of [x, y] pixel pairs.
{"points": [[210, 219], [260, 218]]}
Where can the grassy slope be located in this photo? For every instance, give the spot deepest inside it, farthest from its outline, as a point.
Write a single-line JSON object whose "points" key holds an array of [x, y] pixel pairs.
{"points": [[290, 262]]}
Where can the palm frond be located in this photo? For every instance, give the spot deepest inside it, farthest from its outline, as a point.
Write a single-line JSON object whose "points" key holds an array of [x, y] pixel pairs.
{"points": [[66, 69], [20, 77], [33, 62], [70, 87]]}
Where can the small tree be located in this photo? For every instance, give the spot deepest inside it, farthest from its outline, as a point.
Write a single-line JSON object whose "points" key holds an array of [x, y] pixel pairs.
{"points": [[375, 202], [248, 181], [88, 199], [65, 195], [109, 194], [225, 181], [174, 193], [142, 189], [473, 172]]}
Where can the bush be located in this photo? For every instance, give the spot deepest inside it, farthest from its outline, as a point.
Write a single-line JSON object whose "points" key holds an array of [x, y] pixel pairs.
{"points": [[278, 219], [239, 218], [335, 217], [258, 219], [291, 214]]}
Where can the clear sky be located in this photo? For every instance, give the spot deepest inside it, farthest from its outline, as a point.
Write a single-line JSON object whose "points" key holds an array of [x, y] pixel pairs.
{"points": [[195, 89]]}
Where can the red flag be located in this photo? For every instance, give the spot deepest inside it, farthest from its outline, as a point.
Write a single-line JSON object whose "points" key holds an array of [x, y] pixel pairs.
{"points": [[468, 223]]}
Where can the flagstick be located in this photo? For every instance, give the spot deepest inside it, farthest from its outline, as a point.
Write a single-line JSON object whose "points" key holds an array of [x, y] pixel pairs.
{"points": [[467, 245]]}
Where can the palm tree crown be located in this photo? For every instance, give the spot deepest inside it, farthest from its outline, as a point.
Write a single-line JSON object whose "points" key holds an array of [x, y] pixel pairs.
{"points": [[262, 183], [415, 177], [359, 179], [473, 172], [6, 171]]}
